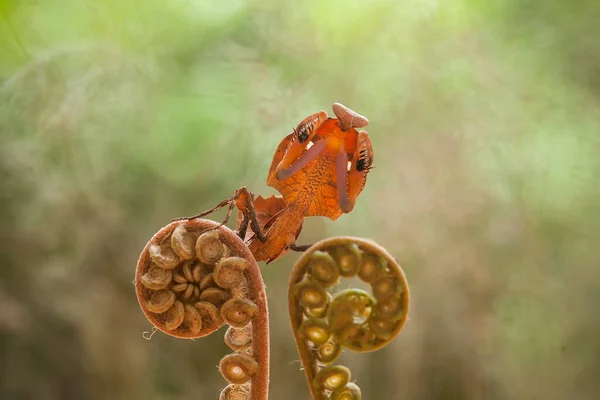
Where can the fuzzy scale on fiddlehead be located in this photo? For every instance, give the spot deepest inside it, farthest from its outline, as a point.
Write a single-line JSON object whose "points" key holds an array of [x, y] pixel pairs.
{"points": [[355, 319], [195, 275]]}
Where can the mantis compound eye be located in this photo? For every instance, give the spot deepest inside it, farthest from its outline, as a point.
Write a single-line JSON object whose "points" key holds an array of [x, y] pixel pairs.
{"points": [[364, 161], [304, 130], [298, 149]]}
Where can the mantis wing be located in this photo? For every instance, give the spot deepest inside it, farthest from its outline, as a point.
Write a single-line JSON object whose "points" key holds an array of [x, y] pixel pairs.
{"points": [[327, 171], [293, 165]]}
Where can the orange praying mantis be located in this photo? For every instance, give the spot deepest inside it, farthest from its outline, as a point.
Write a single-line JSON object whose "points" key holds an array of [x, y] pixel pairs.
{"points": [[320, 168]]}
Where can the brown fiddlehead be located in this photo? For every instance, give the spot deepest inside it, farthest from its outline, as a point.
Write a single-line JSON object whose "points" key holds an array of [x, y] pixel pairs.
{"points": [[195, 275], [324, 323]]}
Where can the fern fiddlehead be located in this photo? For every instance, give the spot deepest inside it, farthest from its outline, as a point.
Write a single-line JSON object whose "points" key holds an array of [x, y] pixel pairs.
{"points": [[194, 276], [355, 319]]}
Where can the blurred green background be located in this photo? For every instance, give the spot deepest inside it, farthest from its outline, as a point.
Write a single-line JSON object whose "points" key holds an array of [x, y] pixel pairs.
{"points": [[117, 116]]}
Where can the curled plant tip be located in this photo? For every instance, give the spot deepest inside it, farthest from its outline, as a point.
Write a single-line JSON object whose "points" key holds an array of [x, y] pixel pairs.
{"points": [[208, 281], [156, 278], [200, 271], [238, 339], [192, 319], [333, 378], [389, 308], [384, 287], [174, 316], [315, 331], [163, 256], [348, 259], [229, 272], [318, 312], [193, 276], [187, 272], [238, 312], [238, 368], [209, 247], [235, 392], [350, 307], [328, 352], [371, 268], [183, 242], [359, 320], [215, 296], [350, 392], [210, 316], [323, 269], [381, 326], [160, 301], [311, 295]]}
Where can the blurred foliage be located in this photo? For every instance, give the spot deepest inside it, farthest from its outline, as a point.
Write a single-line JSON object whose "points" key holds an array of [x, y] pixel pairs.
{"points": [[117, 115]]}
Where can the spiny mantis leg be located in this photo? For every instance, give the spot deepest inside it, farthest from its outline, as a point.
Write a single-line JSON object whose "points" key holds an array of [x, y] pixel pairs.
{"points": [[300, 247], [243, 200], [245, 203], [228, 201], [243, 227]]}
